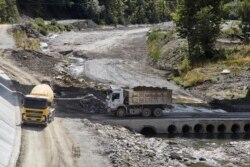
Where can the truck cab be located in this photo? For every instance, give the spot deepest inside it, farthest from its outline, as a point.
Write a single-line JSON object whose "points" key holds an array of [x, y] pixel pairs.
{"points": [[115, 99], [36, 109]]}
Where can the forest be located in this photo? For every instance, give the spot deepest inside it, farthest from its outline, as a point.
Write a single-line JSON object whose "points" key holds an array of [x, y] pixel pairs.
{"points": [[100, 11]]}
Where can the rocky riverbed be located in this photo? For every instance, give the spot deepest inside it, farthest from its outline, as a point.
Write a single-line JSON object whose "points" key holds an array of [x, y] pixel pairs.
{"points": [[126, 148]]}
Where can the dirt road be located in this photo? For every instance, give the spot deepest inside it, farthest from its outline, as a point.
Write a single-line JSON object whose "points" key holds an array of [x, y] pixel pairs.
{"points": [[7, 41], [113, 56], [60, 143]]}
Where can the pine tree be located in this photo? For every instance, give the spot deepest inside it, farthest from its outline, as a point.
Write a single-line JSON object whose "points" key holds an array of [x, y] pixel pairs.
{"points": [[245, 19], [199, 21]]}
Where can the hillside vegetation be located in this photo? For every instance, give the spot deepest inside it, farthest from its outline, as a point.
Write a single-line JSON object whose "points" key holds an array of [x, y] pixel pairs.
{"points": [[207, 55], [8, 11], [101, 11]]}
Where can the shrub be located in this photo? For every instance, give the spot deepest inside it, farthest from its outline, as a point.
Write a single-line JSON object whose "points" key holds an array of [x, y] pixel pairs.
{"points": [[40, 22], [185, 66], [22, 41], [44, 29], [177, 80], [53, 22], [193, 78], [155, 38]]}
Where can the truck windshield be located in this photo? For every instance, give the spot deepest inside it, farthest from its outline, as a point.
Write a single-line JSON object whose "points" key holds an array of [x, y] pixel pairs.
{"points": [[35, 103], [115, 96]]}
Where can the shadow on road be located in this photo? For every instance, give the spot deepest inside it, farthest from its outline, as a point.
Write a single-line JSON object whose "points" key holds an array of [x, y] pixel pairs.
{"points": [[33, 127]]}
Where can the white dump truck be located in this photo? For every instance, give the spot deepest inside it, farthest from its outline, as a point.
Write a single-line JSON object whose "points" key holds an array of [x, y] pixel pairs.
{"points": [[145, 101]]}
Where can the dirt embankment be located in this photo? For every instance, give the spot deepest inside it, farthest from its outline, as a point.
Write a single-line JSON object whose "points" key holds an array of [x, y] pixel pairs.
{"points": [[207, 81]]}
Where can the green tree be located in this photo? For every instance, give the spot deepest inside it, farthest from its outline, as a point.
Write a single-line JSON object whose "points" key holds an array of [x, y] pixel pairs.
{"points": [[199, 21], [139, 15], [130, 6], [231, 9], [88, 9], [245, 18], [8, 11], [157, 11], [114, 11]]}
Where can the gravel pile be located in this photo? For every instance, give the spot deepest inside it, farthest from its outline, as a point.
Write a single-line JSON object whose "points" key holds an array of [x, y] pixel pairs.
{"points": [[81, 100], [125, 148]]}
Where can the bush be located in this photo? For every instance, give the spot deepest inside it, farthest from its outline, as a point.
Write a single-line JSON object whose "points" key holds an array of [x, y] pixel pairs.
{"points": [[53, 22], [44, 29], [193, 78], [154, 51], [22, 41], [155, 38], [185, 66], [39, 22], [177, 80]]}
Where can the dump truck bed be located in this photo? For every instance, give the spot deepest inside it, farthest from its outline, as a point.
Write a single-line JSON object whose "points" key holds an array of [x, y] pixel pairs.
{"points": [[149, 96]]}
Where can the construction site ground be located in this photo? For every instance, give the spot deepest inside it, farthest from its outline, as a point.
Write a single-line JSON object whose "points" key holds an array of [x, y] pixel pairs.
{"points": [[80, 65]]}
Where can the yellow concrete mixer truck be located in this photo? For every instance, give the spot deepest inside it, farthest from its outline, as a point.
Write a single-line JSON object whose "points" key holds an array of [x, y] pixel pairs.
{"points": [[37, 106]]}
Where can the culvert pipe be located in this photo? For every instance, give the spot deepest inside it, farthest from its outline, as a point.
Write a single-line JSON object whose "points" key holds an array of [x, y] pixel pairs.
{"points": [[148, 131], [221, 128], [247, 128], [235, 128], [186, 129], [210, 128], [198, 128], [172, 129]]}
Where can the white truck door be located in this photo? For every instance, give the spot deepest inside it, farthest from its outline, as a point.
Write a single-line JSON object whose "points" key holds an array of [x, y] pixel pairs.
{"points": [[116, 101]]}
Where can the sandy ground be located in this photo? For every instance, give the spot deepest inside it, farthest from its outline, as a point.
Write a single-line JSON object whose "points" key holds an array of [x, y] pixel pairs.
{"points": [[6, 40]]}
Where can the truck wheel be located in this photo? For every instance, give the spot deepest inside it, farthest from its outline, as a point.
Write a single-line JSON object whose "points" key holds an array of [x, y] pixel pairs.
{"points": [[146, 112], [121, 112], [157, 112]]}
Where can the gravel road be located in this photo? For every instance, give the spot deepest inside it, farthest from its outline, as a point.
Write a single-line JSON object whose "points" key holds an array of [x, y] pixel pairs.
{"points": [[112, 56], [59, 144]]}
